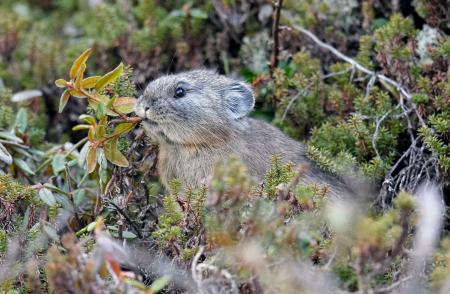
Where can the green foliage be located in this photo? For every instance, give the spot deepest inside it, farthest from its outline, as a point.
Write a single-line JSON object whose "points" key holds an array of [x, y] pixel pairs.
{"points": [[435, 140], [11, 191], [3, 242], [6, 111], [278, 173]]}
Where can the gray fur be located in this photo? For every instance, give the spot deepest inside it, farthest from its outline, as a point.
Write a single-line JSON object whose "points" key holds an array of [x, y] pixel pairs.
{"points": [[209, 124]]}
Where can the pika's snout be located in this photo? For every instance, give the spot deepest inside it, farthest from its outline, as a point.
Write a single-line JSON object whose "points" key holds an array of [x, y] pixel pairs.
{"points": [[140, 109]]}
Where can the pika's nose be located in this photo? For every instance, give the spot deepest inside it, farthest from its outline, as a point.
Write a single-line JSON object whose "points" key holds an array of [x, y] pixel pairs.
{"points": [[140, 111]]}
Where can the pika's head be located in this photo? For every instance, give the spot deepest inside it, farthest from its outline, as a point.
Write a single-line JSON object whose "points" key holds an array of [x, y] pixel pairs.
{"points": [[195, 107]]}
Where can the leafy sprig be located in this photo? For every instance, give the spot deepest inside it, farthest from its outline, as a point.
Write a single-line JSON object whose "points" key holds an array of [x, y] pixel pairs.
{"points": [[100, 139]]}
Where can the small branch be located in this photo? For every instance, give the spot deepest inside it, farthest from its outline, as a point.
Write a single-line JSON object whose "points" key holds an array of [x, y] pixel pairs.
{"points": [[133, 225], [350, 60], [277, 4], [69, 186], [75, 146], [288, 107], [377, 131], [392, 286]]}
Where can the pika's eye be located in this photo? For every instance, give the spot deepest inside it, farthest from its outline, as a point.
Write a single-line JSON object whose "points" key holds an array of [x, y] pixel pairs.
{"points": [[180, 92]]}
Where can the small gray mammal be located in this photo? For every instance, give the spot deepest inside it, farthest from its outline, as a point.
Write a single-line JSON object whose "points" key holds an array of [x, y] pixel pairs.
{"points": [[200, 117]]}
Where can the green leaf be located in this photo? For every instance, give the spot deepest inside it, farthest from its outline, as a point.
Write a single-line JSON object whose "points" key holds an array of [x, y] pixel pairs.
{"points": [[22, 165], [101, 110], [22, 120], [102, 98], [63, 100], [113, 154], [90, 82], [110, 77], [128, 235], [11, 137], [88, 118], [160, 283], [83, 153], [51, 232], [61, 83], [125, 104], [54, 188], [47, 196], [90, 227], [197, 13], [79, 76], [123, 128], [79, 62], [76, 93], [4, 155], [100, 131], [91, 159], [78, 196], [111, 102], [91, 134], [80, 127], [58, 163]]}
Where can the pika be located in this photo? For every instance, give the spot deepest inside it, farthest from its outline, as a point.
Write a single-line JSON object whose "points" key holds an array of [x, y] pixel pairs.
{"points": [[200, 117]]}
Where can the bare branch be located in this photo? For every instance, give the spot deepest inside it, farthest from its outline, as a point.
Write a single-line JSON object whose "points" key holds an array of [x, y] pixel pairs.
{"points": [[350, 60], [277, 4]]}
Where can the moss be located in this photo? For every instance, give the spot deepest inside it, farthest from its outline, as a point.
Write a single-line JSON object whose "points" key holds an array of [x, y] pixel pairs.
{"points": [[11, 191]]}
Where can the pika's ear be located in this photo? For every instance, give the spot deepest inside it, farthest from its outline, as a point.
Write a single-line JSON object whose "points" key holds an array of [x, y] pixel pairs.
{"points": [[238, 99]]}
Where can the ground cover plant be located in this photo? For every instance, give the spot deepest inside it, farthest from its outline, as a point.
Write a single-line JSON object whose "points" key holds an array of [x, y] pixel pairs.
{"points": [[364, 84]]}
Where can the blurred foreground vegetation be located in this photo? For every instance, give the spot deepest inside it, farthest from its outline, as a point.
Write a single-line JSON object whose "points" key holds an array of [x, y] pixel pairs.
{"points": [[81, 208]]}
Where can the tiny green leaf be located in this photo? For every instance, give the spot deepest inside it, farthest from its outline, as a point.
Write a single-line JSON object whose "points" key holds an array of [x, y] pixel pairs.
{"points": [[101, 110], [51, 232], [159, 284], [58, 163], [76, 93], [22, 120], [78, 196], [61, 83], [110, 77], [79, 62], [80, 127], [128, 235], [79, 76], [100, 131], [123, 128], [4, 155], [90, 227], [47, 196], [91, 134], [91, 159], [90, 82], [63, 100], [83, 153], [88, 118], [21, 164], [125, 104], [113, 154], [53, 188], [11, 137]]}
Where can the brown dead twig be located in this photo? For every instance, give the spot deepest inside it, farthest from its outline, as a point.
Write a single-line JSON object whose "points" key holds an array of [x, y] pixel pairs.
{"points": [[277, 4]]}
